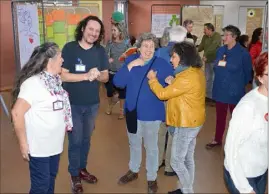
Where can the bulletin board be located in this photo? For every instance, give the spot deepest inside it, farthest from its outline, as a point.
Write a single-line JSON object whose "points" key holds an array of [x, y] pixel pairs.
{"points": [[254, 19], [250, 18], [36, 22], [61, 21], [163, 16], [199, 15]]}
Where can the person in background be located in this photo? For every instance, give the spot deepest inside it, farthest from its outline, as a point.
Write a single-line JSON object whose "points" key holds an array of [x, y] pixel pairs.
{"points": [[85, 66], [165, 37], [244, 41], [232, 74], [132, 40], [188, 24], [210, 43], [117, 17], [115, 48], [173, 35], [150, 110], [246, 152], [41, 115], [255, 48], [185, 114]]}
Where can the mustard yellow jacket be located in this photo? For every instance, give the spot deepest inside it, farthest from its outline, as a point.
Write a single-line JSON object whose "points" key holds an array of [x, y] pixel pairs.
{"points": [[185, 98]]}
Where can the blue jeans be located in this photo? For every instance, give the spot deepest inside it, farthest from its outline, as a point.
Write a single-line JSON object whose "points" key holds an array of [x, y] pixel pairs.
{"points": [[43, 171], [80, 137], [149, 131], [182, 155], [258, 183]]}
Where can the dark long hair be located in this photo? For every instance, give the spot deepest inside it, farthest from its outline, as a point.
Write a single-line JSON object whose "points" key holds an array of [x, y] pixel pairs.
{"points": [[82, 25], [255, 36], [188, 54], [36, 64]]}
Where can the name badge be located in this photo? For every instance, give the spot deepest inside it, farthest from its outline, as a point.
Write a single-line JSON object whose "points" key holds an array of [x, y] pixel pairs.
{"points": [[80, 68], [222, 63], [58, 105]]}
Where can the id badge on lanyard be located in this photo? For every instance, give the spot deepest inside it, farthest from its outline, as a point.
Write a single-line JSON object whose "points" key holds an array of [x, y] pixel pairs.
{"points": [[80, 67], [222, 63]]}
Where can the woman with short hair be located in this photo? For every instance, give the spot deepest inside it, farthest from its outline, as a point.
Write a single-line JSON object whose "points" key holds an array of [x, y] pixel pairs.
{"points": [[232, 73], [150, 111], [41, 114], [246, 142], [185, 114]]}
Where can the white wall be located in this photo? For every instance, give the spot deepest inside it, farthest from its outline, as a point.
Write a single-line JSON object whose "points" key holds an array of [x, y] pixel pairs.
{"points": [[231, 11]]}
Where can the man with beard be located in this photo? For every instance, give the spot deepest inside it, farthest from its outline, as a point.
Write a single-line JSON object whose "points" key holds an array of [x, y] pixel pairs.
{"points": [[85, 65]]}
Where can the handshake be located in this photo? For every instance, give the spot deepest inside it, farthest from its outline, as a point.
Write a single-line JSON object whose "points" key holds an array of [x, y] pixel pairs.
{"points": [[93, 74]]}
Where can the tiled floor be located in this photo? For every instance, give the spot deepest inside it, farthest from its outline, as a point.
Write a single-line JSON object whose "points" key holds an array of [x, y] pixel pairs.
{"points": [[108, 160]]}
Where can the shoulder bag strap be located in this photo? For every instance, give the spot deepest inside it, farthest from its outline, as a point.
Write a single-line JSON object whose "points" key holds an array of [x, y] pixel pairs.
{"points": [[144, 79]]}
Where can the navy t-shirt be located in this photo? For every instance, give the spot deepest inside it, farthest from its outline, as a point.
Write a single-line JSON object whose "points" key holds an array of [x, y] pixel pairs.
{"points": [[84, 92]]}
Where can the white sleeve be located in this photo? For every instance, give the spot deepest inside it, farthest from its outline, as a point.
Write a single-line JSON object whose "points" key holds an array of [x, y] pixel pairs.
{"points": [[240, 129], [28, 91]]}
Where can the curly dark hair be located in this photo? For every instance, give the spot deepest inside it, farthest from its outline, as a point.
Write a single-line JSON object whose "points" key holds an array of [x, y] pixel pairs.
{"points": [[82, 25], [36, 64], [188, 54]]}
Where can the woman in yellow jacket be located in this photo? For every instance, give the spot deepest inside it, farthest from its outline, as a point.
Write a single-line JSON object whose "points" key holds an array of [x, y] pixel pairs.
{"points": [[185, 114]]}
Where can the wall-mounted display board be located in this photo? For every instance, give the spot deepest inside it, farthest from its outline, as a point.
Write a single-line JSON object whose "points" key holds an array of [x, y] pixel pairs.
{"points": [[254, 19], [61, 21], [163, 16], [26, 30], [199, 15]]}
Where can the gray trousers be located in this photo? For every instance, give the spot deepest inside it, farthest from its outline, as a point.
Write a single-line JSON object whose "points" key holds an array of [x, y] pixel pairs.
{"points": [[182, 156], [209, 75], [161, 145]]}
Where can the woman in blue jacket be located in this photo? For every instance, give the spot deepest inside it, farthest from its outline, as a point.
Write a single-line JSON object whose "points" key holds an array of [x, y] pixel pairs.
{"points": [[150, 110], [232, 74]]}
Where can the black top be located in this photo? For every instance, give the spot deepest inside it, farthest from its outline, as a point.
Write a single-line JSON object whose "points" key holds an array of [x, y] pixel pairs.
{"points": [[84, 92]]}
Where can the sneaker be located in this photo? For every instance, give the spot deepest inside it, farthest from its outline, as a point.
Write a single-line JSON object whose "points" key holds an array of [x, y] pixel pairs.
{"points": [[86, 176], [128, 177], [152, 186], [76, 185]]}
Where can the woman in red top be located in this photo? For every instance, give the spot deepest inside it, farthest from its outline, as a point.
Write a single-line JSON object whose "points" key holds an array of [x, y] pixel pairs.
{"points": [[255, 48]]}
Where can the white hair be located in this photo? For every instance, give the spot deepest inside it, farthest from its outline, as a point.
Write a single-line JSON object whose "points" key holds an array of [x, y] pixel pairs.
{"points": [[177, 34]]}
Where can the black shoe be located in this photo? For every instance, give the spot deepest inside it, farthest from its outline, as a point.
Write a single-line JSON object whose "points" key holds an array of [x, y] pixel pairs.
{"points": [[178, 191], [170, 173]]}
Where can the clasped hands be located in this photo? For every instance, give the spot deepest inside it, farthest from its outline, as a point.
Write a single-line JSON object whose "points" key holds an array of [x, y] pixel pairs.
{"points": [[92, 74], [153, 74]]}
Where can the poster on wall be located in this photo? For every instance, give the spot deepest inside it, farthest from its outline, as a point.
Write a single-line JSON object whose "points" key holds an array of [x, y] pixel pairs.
{"points": [[61, 22], [254, 19], [199, 15], [161, 21], [28, 30]]}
